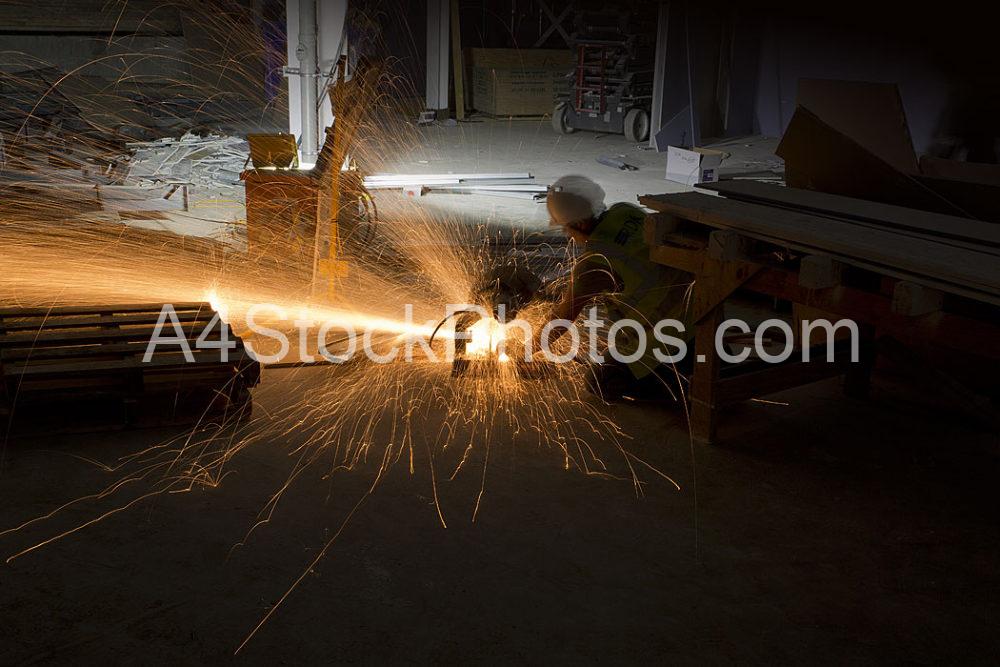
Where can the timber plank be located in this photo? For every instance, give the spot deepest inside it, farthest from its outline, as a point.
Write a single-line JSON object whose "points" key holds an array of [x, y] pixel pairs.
{"points": [[159, 362], [97, 310], [45, 337], [36, 322], [90, 350], [861, 210], [978, 271]]}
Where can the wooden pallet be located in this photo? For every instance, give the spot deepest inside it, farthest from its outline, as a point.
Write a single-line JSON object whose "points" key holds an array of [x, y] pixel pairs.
{"points": [[73, 367]]}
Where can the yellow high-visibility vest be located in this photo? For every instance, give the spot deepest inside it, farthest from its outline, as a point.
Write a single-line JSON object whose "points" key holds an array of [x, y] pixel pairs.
{"points": [[649, 291]]}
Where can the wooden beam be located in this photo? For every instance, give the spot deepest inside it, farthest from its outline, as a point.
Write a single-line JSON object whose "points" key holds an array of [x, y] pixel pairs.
{"points": [[173, 360], [8, 324], [716, 282], [966, 272], [727, 245], [97, 310], [58, 337], [704, 381], [555, 23], [912, 300], [860, 210], [135, 347], [819, 272], [685, 259], [942, 329], [657, 227]]}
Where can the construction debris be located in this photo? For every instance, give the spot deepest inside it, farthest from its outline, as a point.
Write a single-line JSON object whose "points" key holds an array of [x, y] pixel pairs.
{"points": [[608, 161], [206, 169], [78, 147], [212, 160]]}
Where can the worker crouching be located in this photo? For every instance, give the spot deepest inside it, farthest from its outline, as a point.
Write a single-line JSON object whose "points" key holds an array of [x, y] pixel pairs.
{"points": [[615, 271]]}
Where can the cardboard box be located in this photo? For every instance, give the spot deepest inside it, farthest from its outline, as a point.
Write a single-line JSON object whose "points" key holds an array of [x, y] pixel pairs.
{"points": [[698, 165], [518, 82]]}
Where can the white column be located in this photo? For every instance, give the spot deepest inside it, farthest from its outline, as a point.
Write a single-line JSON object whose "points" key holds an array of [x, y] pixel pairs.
{"points": [[291, 45], [438, 12], [317, 58], [306, 54]]}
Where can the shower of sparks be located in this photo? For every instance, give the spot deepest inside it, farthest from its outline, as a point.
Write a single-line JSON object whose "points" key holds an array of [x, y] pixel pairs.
{"points": [[56, 248]]}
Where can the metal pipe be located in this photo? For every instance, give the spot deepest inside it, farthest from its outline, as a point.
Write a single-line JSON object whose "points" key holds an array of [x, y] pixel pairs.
{"points": [[308, 74]]}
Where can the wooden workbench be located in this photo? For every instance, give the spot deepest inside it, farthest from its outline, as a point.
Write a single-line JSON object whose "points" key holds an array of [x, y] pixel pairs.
{"points": [[929, 291]]}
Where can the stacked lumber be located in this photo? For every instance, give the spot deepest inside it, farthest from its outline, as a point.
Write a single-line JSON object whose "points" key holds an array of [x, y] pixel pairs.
{"points": [[922, 288], [912, 222], [951, 254], [83, 366]]}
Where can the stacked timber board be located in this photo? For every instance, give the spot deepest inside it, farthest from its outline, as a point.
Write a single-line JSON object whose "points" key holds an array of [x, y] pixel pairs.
{"points": [[922, 288], [951, 254], [77, 367]]}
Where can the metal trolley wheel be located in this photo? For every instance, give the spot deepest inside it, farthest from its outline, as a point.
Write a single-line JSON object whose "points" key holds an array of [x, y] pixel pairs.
{"points": [[637, 125], [559, 120]]}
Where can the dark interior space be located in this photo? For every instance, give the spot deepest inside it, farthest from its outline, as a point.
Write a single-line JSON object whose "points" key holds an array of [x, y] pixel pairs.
{"points": [[522, 332]]}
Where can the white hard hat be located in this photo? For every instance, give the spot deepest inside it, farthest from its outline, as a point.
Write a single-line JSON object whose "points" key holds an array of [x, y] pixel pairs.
{"points": [[582, 187]]}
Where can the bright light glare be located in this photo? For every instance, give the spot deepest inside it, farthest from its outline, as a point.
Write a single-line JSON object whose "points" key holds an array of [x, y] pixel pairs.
{"points": [[486, 336]]}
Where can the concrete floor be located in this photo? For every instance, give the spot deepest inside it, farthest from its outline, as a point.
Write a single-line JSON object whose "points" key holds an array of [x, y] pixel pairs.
{"points": [[824, 530], [492, 146]]}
